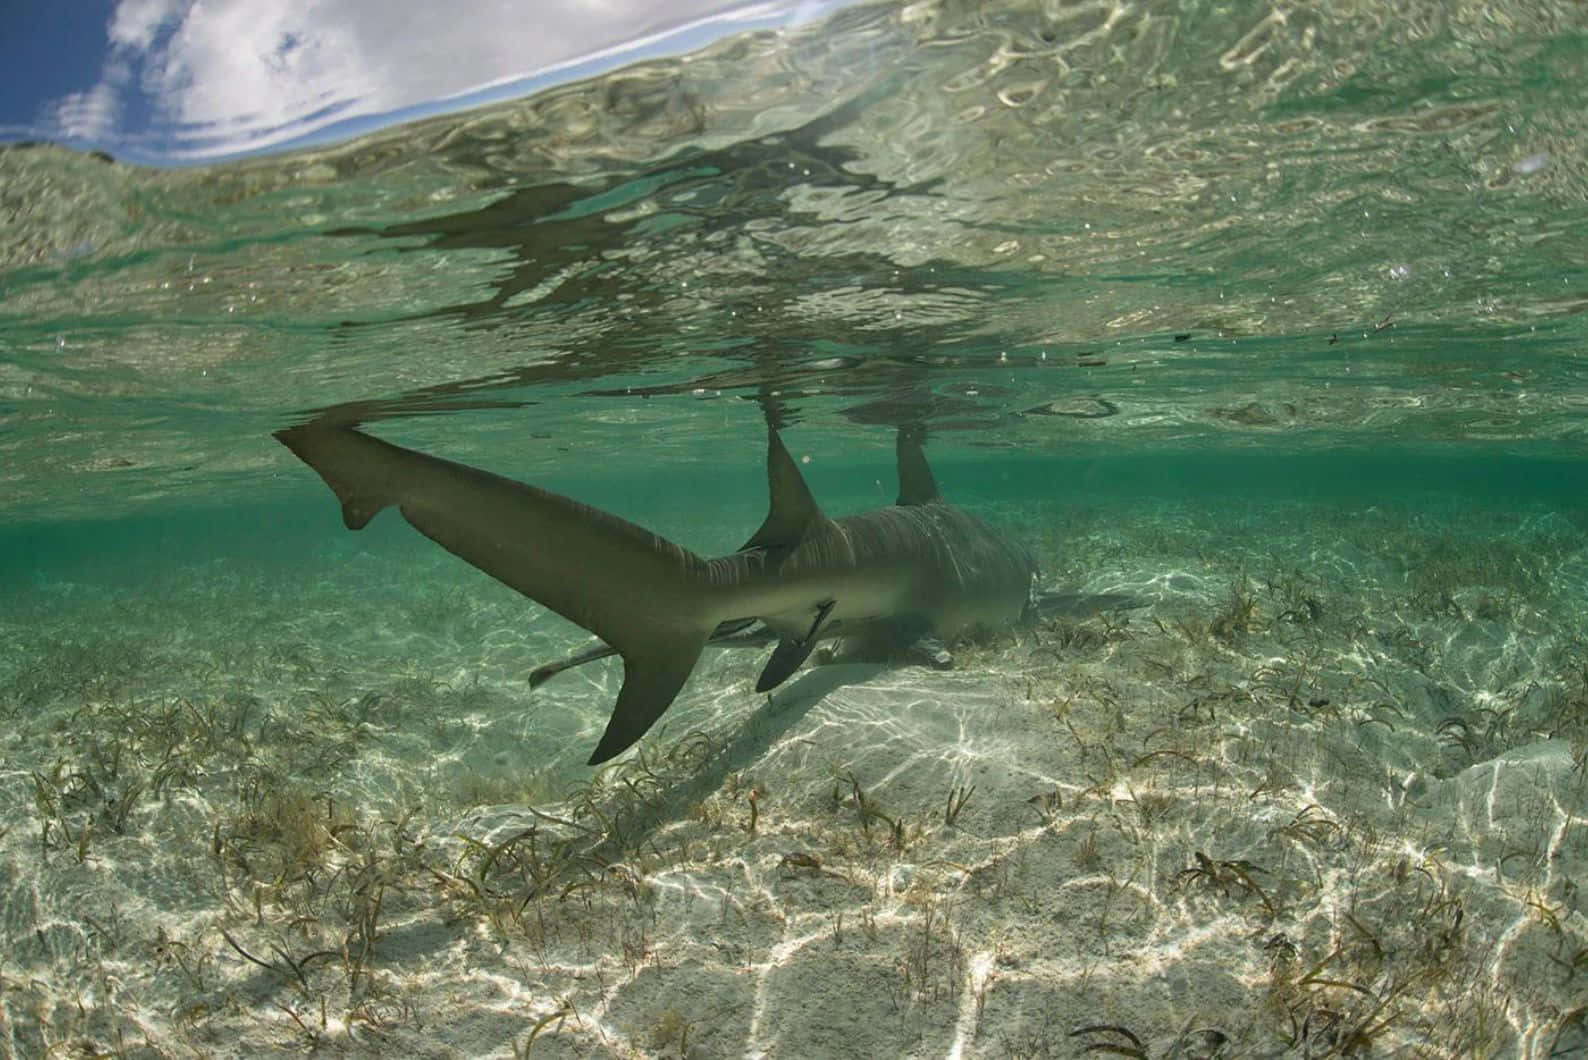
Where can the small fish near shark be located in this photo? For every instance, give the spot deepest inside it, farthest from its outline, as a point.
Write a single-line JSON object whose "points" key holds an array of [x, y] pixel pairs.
{"points": [[920, 572]]}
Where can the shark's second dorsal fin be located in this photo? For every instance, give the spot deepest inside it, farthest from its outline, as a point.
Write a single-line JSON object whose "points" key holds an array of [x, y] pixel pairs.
{"points": [[793, 511], [916, 484]]}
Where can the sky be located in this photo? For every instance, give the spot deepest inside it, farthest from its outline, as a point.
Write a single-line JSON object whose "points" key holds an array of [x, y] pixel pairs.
{"points": [[47, 51], [192, 80]]}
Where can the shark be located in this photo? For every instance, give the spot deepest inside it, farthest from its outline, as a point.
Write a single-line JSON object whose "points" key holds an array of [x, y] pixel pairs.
{"points": [[919, 572], [892, 645]]}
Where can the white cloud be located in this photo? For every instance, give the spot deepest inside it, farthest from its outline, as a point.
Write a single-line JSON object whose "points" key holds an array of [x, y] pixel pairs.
{"points": [[135, 23], [256, 65], [255, 72], [87, 115]]}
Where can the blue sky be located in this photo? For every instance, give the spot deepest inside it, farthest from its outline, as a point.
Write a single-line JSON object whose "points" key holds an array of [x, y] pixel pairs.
{"points": [[173, 81], [47, 51]]}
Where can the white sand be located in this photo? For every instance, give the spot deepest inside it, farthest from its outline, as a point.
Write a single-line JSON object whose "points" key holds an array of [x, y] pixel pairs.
{"points": [[1298, 830]]}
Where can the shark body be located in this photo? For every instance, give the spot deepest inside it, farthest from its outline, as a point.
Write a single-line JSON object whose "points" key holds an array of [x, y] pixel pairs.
{"points": [[921, 567], [855, 645]]}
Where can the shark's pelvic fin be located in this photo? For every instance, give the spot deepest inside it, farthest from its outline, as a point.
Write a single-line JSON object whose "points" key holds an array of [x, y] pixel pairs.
{"points": [[790, 654], [916, 484]]}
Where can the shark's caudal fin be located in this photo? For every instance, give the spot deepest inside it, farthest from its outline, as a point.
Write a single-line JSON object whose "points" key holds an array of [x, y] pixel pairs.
{"points": [[361, 498], [653, 672], [740, 632], [643, 595]]}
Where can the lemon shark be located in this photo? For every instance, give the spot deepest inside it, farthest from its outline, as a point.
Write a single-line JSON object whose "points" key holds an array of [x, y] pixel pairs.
{"points": [[921, 568], [887, 642], [881, 640]]}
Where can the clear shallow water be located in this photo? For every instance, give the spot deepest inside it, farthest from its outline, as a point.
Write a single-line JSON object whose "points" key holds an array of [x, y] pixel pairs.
{"points": [[1232, 309]]}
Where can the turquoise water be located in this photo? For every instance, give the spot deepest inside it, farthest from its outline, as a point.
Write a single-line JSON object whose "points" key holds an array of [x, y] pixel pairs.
{"points": [[1272, 320]]}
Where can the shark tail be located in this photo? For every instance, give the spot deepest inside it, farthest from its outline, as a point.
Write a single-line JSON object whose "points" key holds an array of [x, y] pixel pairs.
{"points": [[360, 502], [646, 597], [653, 672]]}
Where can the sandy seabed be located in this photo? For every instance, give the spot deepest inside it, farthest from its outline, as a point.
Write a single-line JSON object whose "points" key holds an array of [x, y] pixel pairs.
{"points": [[1326, 795]]}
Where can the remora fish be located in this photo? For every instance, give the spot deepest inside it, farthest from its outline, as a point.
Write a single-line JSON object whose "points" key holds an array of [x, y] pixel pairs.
{"points": [[919, 568]]}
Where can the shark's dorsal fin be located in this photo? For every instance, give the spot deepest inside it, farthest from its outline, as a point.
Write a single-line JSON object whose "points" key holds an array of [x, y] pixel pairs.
{"points": [[793, 511], [916, 484]]}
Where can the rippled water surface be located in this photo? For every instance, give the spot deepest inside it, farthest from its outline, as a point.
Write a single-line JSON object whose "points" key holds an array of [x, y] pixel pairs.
{"points": [[1272, 317]]}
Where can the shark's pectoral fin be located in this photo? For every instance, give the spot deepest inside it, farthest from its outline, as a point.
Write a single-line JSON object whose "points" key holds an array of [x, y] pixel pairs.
{"points": [[652, 675], [790, 653]]}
